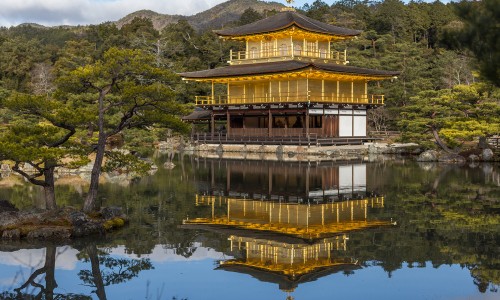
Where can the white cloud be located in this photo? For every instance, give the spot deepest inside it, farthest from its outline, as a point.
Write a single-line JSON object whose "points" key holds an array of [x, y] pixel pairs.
{"points": [[83, 12], [160, 254], [35, 258], [74, 12]]}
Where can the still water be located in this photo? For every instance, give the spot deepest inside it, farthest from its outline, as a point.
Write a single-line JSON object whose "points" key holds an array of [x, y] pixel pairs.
{"points": [[227, 229]]}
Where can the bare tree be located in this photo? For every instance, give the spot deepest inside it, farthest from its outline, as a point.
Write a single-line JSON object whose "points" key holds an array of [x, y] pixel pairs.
{"points": [[42, 79]]}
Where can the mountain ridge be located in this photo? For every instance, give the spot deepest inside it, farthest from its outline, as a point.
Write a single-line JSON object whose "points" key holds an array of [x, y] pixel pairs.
{"points": [[214, 17]]}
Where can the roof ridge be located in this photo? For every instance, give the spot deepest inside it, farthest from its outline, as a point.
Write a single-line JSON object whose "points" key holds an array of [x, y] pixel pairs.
{"points": [[308, 20]]}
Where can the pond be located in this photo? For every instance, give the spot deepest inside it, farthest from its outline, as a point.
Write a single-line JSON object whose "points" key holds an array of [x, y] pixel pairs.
{"points": [[240, 229]]}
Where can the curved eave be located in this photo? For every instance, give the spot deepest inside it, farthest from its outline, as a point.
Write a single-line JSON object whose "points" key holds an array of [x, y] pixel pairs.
{"points": [[283, 21], [289, 27], [287, 68], [286, 282]]}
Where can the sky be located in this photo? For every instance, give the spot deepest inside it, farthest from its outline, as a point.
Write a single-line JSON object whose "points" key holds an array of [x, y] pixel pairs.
{"points": [[83, 12]]}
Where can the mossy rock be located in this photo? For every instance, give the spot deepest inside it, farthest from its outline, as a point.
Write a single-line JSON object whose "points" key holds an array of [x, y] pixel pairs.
{"points": [[114, 223]]}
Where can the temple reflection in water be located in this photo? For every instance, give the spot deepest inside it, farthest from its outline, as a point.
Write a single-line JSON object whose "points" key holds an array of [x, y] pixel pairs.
{"points": [[287, 223]]}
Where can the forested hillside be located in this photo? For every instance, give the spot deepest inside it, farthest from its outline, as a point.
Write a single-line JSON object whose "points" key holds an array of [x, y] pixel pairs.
{"points": [[447, 94], [216, 17]]}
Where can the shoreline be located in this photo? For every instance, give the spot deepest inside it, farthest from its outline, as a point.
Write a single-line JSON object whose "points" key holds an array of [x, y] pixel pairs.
{"points": [[65, 223], [365, 152]]}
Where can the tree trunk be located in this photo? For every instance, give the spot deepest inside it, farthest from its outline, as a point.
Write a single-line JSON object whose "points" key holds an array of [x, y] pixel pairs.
{"points": [[48, 189], [50, 281], [50, 278], [96, 272], [91, 199], [440, 142]]}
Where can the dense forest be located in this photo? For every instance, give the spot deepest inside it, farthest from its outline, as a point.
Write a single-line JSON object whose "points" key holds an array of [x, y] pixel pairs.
{"points": [[447, 94]]}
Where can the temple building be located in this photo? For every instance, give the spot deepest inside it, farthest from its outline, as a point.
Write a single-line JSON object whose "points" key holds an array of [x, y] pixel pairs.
{"points": [[288, 264], [288, 82], [287, 223]]}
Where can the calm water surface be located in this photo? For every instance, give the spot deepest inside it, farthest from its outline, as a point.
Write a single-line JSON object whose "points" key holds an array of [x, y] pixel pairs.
{"points": [[222, 229]]}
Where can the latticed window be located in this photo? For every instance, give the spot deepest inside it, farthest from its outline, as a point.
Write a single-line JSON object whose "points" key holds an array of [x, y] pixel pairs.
{"points": [[284, 49], [311, 48], [267, 49], [253, 52], [322, 53], [297, 50]]}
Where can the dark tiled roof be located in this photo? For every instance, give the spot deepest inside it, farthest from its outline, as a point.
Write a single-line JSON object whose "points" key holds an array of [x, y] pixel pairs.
{"points": [[284, 20], [285, 282], [197, 114], [282, 67]]}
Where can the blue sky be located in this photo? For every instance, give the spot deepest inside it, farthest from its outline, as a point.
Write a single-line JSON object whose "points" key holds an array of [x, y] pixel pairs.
{"points": [[75, 12], [196, 278]]}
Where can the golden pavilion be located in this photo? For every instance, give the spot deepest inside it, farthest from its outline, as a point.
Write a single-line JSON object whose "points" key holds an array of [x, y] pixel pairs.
{"points": [[288, 223], [288, 82]]}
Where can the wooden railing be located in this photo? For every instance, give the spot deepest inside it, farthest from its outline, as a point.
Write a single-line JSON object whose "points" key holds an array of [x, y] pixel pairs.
{"points": [[244, 136], [290, 98], [494, 141], [274, 53]]}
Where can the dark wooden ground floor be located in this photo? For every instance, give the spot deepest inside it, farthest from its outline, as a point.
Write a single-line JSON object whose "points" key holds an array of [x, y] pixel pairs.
{"points": [[306, 125]]}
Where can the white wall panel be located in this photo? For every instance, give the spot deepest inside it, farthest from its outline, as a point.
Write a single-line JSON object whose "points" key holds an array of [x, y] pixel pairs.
{"points": [[345, 126], [345, 179], [359, 126], [359, 178]]}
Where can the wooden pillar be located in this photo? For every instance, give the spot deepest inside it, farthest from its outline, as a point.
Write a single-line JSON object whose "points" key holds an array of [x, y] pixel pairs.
{"points": [[245, 93], [228, 122], [307, 121], [270, 124], [212, 124], [212, 174], [338, 90], [279, 90], [329, 55], [270, 91], [270, 181], [308, 171], [213, 95], [322, 90], [297, 90], [352, 91], [307, 86], [288, 89], [366, 90], [228, 178], [261, 48]]}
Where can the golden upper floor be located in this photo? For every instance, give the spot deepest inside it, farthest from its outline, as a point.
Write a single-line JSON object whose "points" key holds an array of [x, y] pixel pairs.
{"points": [[288, 35], [300, 220]]}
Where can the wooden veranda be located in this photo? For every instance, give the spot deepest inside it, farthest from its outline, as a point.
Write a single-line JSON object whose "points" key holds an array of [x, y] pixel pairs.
{"points": [[299, 140]]}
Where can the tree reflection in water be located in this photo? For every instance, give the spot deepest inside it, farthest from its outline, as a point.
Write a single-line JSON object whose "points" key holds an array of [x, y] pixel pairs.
{"points": [[105, 270], [113, 271]]}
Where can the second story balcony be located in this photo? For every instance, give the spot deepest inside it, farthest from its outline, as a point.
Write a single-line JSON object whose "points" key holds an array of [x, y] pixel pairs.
{"points": [[286, 98], [287, 53]]}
